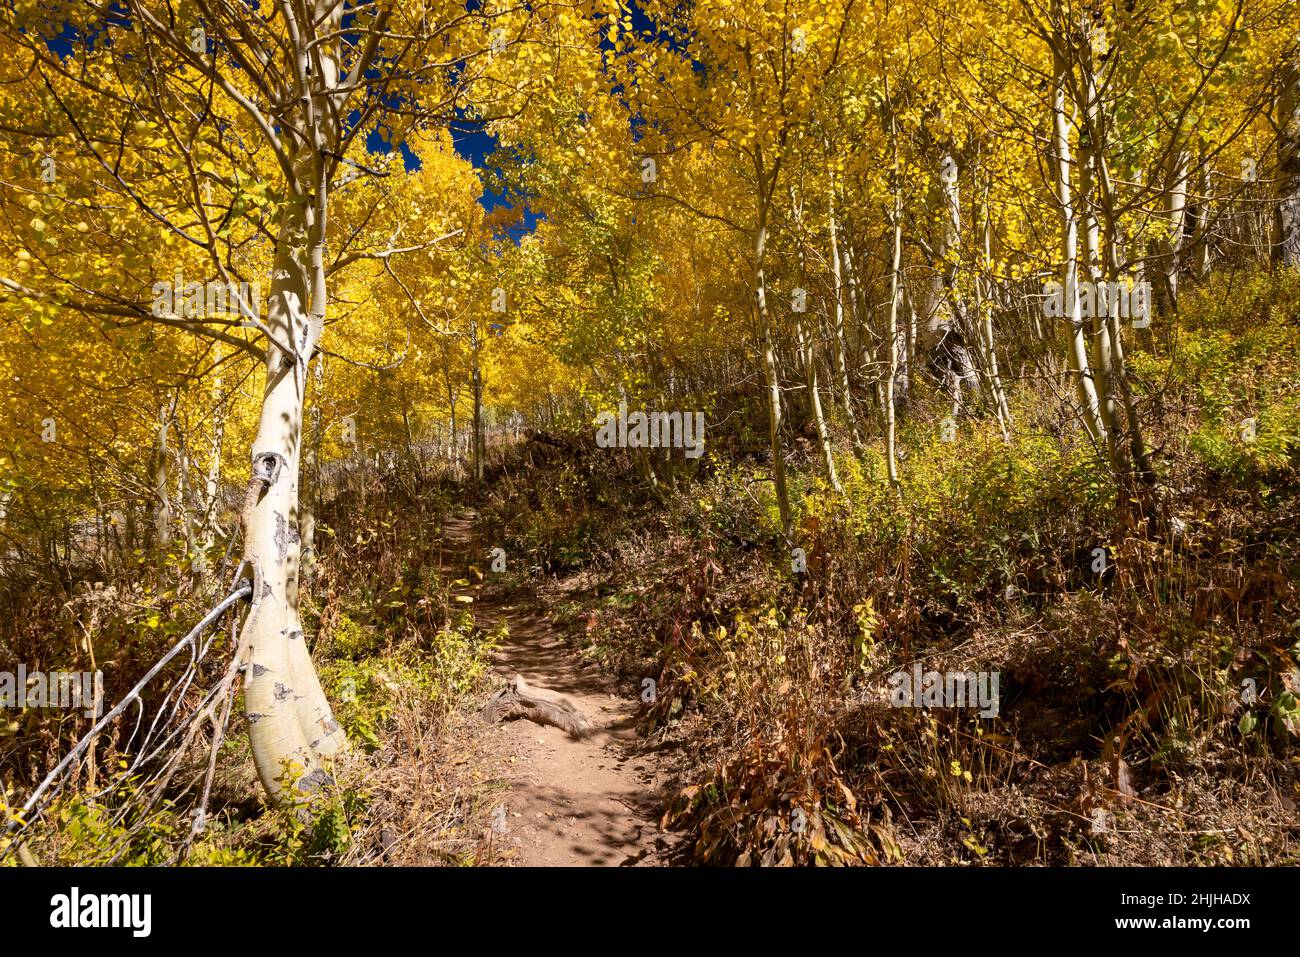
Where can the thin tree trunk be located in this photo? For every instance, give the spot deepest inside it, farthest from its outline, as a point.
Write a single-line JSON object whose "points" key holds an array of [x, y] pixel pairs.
{"points": [[1101, 360], [1171, 246], [891, 341], [313, 494], [190, 514], [841, 362], [859, 313], [1137, 451], [989, 355], [162, 514], [453, 452], [1085, 389], [770, 368], [807, 347], [946, 323], [891, 329], [1203, 241], [477, 375], [1287, 248]]}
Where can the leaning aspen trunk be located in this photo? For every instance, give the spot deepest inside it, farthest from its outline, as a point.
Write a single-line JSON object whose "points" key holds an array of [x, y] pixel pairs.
{"points": [[324, 735], [1085, 389], [1287, 248], [1137, 451]]}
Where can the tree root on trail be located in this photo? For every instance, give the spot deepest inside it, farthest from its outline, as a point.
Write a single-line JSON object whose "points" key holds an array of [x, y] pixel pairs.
{"points": [[521, 700]]}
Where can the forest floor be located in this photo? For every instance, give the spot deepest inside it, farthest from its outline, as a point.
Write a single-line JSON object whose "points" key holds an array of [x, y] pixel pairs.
{"points": [[558, 801]]}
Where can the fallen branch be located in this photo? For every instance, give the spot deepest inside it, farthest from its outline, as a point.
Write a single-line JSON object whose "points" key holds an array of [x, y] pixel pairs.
{"points": [[521, 700], [53, 781]]}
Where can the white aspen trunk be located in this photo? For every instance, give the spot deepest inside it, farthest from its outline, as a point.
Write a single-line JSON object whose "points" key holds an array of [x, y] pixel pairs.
{"points": [[162, 514], [1171, 246], [162, 510], [1136, 453], [212, 481], [937, 317], [859, 314], [989, 360], [312, 472], [291, 728], [1085, 390], [946, 314], [807, 347], [191, 510], [815, 401], [906, 344], [408, 430], [1137, 450], [891, 341], [891, 328], [1100, 360], [273, 637], [324, 734], [841, 359], [1287, 248]]}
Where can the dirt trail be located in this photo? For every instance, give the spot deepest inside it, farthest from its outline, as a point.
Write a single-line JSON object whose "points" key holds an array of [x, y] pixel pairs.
{"points": [[566, 802]]}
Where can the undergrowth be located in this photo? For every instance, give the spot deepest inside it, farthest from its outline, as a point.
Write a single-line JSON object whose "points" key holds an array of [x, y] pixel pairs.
{"points": [[1146, 638]]}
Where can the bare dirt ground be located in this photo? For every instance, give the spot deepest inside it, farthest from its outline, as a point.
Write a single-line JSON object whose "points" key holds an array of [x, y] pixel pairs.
{"points": [[561, 801]]}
